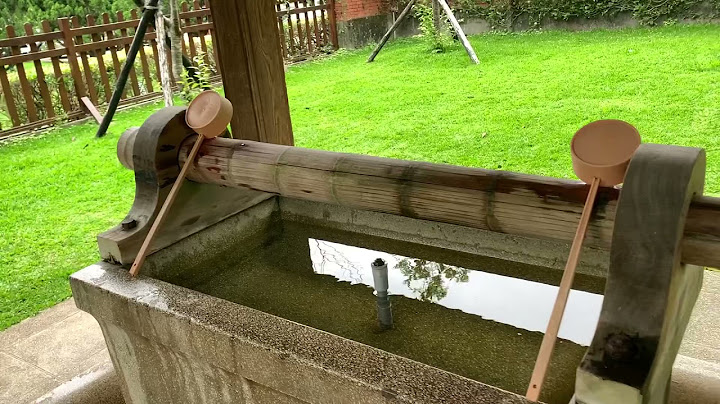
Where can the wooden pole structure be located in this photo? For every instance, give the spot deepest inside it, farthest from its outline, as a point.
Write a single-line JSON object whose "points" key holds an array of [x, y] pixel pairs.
{"points": [[252, 69], [456, 25], [436, 16], [397, 22]]}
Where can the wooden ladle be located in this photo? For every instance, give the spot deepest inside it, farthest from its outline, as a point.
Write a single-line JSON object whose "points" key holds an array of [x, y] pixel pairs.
{"points": [[208, 115], [601, 152]]}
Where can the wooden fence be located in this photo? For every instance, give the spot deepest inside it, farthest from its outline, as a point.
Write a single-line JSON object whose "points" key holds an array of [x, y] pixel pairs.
{"points": [[45, 73], [306, 27]]}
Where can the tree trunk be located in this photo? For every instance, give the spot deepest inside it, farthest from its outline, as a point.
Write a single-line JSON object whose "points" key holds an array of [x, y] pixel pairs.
{"points": [[176, 44], [165, 78]]}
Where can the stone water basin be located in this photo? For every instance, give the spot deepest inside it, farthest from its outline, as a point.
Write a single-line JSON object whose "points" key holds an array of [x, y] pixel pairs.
{"points": [[455, 311]]}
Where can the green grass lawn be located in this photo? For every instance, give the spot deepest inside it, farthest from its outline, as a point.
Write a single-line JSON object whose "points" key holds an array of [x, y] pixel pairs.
{"points": [[516, 111]]}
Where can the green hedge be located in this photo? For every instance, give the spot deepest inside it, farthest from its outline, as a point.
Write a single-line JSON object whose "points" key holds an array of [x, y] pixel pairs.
{"points": [[503, 13]]}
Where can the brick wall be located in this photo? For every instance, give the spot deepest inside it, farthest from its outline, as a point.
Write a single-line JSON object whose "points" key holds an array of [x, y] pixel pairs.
{"points": [[346, 10]]}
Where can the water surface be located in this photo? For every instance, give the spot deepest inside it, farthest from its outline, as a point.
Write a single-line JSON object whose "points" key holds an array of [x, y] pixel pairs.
{"points": [[512, 301]]}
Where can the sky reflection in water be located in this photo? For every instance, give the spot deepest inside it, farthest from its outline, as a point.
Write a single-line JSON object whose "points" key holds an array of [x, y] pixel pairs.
{"points": [[517, 302]]}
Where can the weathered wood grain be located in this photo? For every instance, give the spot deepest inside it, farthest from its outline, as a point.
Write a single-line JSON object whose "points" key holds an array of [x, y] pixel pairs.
{"points": [[649, 293], [252, 68], [504, 202]]}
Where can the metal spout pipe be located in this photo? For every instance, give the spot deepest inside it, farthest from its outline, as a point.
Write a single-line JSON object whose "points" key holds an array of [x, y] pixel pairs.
{"points": [[380, 281]]}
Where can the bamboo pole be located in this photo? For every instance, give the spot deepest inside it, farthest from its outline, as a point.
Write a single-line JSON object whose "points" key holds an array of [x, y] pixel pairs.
{"points": [[510, 203]]}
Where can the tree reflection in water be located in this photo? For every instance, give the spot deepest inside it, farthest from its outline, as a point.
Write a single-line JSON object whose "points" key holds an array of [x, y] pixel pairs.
{"points": [[427, 280], [430, 280], [330, 255]]}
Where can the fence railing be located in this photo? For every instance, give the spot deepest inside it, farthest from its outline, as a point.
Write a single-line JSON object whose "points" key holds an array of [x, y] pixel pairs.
{"points": [[44, 73], [306, 27]]}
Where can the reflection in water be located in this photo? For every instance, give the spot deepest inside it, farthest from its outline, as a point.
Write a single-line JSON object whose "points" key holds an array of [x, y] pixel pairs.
{"points": [[427, 279], [512, 301]]}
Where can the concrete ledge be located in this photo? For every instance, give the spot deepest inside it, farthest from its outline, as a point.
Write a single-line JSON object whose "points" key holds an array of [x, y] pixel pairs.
{"points": [[100, 386], [530, 251], [694, 381], [171, 344]]}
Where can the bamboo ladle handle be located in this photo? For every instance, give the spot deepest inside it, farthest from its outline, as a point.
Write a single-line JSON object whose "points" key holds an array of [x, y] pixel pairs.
{"points": [[548, 343], [208, 114], [601, 153]]}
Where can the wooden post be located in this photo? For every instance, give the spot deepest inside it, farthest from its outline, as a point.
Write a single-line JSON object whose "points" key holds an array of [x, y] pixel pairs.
{"points": [[40, 75], [252, 69], [333, 24], [163, 62], [92, 93], [64, 24], [62, 88], [392, 29], [24, 83], [458, 29], [651, 287], [143, 59], [9, 100], [99, 57]]}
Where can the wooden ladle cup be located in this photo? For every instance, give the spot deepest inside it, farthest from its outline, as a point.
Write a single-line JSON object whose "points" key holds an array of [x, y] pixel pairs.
{"points": [[208, 115], [601, 152]]}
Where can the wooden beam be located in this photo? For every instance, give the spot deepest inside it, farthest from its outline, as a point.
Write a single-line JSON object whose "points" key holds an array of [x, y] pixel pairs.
{"points": [[503, 202], [252, 69], [90, 107]]}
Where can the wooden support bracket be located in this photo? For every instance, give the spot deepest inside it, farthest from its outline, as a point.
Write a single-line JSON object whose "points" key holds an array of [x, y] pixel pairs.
{"points": [[155, 147], [650, 292]]}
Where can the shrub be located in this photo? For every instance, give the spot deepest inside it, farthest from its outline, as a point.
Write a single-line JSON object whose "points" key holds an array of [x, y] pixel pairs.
{"points": [[502, 13], [437, 38]]}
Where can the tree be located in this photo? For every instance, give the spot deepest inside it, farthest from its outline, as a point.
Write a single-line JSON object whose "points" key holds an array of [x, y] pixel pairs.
{"points": [[18, 12]]}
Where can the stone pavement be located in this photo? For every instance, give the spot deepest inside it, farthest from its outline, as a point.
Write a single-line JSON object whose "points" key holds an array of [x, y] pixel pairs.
{"points": [[48, 350], [59, 356]]}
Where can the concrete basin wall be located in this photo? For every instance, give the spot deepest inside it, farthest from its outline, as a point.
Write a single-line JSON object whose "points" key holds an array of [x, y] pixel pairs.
{"points": [[171, 344]]}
